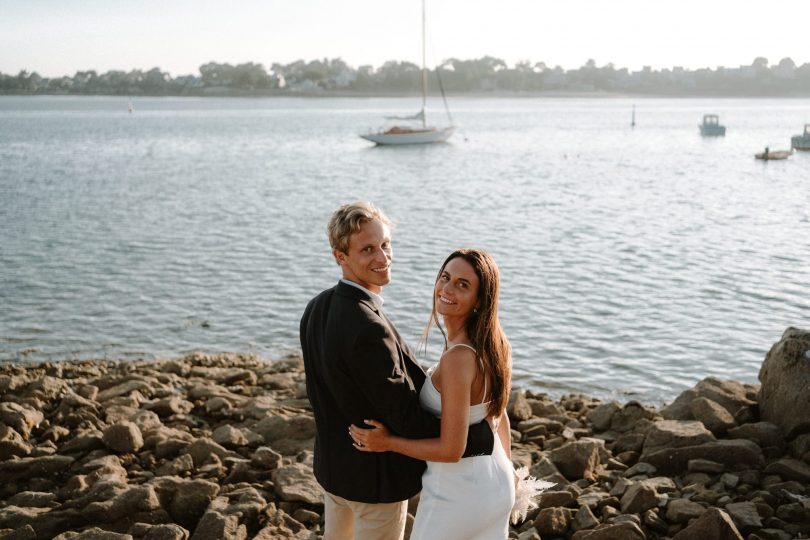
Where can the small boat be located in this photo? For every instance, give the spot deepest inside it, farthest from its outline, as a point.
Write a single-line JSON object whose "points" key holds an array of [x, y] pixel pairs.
{"points": [[769, 154], [711, 126], [421, 133], [801, 142]]}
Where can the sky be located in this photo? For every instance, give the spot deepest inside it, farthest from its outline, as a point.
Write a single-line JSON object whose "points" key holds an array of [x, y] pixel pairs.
{"points": [[60, 37]]}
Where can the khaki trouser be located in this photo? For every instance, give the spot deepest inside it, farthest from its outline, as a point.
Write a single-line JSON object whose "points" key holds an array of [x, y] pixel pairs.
{"points": [[351, 520]]}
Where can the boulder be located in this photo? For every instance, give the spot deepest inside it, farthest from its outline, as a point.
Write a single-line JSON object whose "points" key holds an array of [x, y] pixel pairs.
{"points": [[518, 407], [712, 415], [578, 459], [123, 437], [297, 483], [738, 453], [670, 434], [683, 510], [714, 524], [619, 531], [785, 378], [745, 516]]}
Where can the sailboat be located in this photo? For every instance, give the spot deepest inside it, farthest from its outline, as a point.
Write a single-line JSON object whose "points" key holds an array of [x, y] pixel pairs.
{"points": [[413, 134]]}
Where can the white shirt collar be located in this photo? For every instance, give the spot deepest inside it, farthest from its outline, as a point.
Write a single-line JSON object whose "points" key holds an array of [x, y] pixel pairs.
{"points": [[376, 298]]}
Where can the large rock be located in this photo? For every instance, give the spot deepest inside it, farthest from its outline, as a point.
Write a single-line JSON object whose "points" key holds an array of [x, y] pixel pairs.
{"points": [[675, 434], [640, 497], [297, 483], [619, 531], [714, 524], [713, 415], [287, 435], [578, 459], [738, 453], [731, 395], [785, 376], [123, 437], [20, 417]]}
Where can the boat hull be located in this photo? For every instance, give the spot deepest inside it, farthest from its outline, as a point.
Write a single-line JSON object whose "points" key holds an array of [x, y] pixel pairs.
{"points": [[800, 142], [427, 136], [712, 131], [773, 155]]}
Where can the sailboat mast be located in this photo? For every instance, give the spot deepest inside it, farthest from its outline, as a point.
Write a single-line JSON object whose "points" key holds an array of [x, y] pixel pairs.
{"points": [[424, 68]]}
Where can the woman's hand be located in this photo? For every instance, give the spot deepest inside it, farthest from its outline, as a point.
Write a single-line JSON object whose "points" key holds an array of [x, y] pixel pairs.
{"points": [[376, 439]]}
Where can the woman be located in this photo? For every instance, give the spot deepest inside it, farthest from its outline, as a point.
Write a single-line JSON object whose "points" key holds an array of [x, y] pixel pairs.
{"points": [[467, 498]]}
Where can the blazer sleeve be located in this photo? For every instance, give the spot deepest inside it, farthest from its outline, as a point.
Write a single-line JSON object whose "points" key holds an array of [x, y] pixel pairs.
{"points": [[379, 370]]}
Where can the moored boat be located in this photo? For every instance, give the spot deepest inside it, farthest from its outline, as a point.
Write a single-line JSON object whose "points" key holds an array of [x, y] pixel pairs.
{"points": [[769, 155], [801, 142], [711, 126], [419, 134]]}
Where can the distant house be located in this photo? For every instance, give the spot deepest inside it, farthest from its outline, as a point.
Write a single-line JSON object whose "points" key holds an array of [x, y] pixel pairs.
{"points": [[344, 78]]}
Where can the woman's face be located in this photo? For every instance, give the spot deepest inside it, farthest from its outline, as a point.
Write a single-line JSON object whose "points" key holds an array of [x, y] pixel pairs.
{"points": [[456, 290]]}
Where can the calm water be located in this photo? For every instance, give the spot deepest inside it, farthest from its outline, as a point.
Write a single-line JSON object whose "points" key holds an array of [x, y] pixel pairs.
{"points": [[634, 262]]}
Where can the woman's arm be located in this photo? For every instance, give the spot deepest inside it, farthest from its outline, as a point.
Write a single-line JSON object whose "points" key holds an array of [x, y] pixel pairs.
{"points": [[459, 368], [505, 434]]}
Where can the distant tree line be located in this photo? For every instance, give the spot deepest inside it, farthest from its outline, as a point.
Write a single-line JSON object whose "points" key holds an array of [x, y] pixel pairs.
{"points": [[483, 75]]}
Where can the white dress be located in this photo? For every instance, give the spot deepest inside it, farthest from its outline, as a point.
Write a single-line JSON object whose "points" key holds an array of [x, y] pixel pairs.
{"points": [[467, 500]]}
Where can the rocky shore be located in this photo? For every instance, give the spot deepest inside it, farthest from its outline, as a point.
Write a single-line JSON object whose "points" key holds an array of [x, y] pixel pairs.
{"points": [[220, 447]]}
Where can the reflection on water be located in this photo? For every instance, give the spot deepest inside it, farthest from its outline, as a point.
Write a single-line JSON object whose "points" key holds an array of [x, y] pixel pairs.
{"points": [[634, 262]]}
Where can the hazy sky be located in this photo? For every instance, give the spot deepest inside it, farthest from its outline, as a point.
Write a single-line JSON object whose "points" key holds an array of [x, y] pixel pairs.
{"points": [[59, 37]]}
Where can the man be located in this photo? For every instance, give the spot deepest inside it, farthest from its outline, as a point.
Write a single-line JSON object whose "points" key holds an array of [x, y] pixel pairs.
{"points": [[358, 367]]}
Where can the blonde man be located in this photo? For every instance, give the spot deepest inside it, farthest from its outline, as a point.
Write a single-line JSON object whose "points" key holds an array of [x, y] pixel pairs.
{"points": [[358, 367]]}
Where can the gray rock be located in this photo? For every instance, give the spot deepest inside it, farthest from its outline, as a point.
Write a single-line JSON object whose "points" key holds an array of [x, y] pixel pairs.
{"points": [[287, 435], [732, 453], [785, 378], [683, 510], [638, 498], [553, 521], [266, 458], [185, 500], [790, 469], [34, 467], [166, 532], [619, 531], [216, 526], [518, 407], [671, 434], [94, 533], [729, 394], [578, 459], [631, 417], [712, 415], [12, 443], [601, 416], [745, 516], [714, 524], [584, 519], [201, 450], [227, 435], [33, 499], [123, 437], [296, 483], [763, 433], [550, 499], [20, 417], [705, 466]]}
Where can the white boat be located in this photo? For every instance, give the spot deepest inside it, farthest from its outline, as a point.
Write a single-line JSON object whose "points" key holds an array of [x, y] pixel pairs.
{"points": [[420, 133]]}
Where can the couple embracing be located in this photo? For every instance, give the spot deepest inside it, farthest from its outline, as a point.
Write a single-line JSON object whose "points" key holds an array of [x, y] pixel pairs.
{"points": [[386, 429]]}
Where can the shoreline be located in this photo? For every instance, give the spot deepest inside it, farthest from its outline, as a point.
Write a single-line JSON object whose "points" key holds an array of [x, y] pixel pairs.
{"points": [[220, 446]]}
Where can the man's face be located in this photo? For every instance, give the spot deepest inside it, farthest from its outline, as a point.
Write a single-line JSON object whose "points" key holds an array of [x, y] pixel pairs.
{"points": [[368, 261]]}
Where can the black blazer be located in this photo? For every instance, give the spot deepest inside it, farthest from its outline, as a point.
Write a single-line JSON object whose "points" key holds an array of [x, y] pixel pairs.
{"points": [[358, 367]]}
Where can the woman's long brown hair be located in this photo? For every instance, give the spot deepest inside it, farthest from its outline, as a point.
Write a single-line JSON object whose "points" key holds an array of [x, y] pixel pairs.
{"points": [[483, 327]]}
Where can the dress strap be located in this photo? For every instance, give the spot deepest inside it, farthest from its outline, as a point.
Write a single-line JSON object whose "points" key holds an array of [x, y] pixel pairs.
{"points": [[480, 363]]}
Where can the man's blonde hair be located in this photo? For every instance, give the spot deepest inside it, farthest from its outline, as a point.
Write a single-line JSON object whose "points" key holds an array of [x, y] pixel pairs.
{"points": [[348, 219]]}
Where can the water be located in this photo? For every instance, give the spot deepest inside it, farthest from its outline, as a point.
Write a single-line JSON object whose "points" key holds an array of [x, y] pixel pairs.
{"points": [[634, 262]]}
